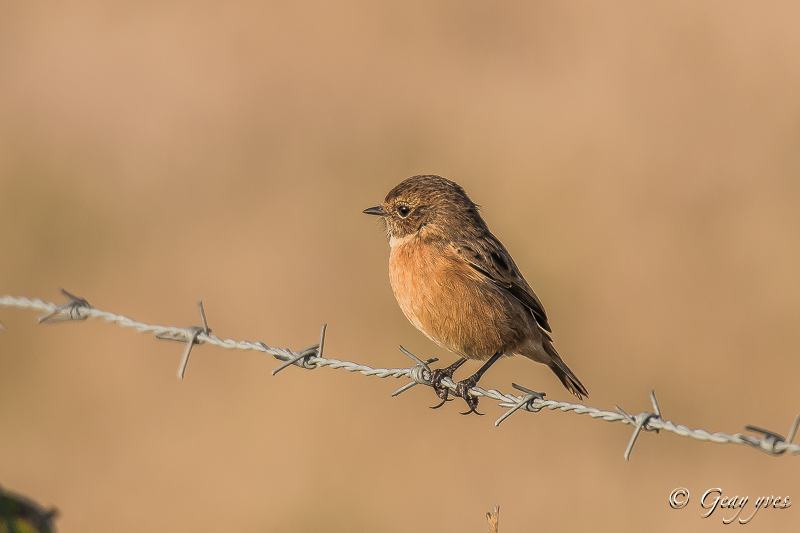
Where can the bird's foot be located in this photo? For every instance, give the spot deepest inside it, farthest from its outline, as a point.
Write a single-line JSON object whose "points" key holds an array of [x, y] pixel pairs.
{"points": [[462, 387], [436, 381], [462, 391]]}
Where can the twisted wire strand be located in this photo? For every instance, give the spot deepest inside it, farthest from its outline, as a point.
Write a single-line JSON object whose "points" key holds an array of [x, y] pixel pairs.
{"points": [[310, 358]]}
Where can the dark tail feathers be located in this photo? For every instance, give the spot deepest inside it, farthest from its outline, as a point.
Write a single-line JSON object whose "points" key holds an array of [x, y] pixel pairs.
{"points": [[567, 376]]}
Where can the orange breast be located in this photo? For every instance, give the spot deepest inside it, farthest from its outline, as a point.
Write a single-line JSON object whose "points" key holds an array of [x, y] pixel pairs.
{"points": [[454, 306]]}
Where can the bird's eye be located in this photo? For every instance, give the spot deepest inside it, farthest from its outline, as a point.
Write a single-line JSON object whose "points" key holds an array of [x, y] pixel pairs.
{"points": [[403, 210]]}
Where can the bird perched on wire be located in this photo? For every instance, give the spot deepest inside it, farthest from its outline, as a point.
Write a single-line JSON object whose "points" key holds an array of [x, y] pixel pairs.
{"points": [[457, 284]]}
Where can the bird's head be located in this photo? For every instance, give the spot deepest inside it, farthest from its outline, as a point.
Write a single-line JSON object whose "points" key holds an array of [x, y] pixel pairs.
{"points": [[429, 204]]}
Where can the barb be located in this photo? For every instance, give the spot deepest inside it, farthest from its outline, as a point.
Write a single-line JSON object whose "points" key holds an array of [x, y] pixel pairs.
{"points": [[191, 337], [309, 358], [526, 402], [773, 442], [420, 373], [72, 310], [302, 359]]}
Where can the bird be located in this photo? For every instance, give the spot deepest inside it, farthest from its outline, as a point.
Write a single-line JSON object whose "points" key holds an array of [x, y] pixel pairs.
{"points": [[458, 285]]}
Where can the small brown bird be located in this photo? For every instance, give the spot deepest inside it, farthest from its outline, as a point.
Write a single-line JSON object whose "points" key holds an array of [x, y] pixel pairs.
{"points": [[459, 286]]}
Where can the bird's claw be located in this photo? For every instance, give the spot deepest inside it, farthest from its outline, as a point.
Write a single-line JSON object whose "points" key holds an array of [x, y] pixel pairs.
{"points": [[462, 387], [441, 403], [462, 391], [436, 382]]}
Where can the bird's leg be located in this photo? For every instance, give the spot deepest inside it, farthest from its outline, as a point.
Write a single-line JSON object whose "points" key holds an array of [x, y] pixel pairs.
{"points": [[463, 386], [438, 375]]}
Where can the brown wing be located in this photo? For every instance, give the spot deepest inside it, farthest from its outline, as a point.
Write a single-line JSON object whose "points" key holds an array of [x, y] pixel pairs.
{"points": [[488, 256]]}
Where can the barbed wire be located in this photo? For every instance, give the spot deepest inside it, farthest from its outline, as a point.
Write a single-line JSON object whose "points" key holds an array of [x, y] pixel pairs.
{"points": [[78, 308]]}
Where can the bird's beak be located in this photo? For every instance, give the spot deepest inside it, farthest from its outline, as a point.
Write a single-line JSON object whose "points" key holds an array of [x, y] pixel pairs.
{"points": [[377, 210]]}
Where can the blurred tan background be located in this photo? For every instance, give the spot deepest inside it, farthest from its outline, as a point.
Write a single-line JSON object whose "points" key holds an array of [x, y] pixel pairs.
{"points": [[640, 162]]}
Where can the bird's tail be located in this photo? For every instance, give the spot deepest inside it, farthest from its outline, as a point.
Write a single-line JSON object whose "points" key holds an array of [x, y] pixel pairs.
{"points": [[559, 368]]}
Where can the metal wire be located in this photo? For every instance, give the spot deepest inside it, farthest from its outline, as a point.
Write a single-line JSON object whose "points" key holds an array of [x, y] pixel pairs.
{"points": [[310, 358]]}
